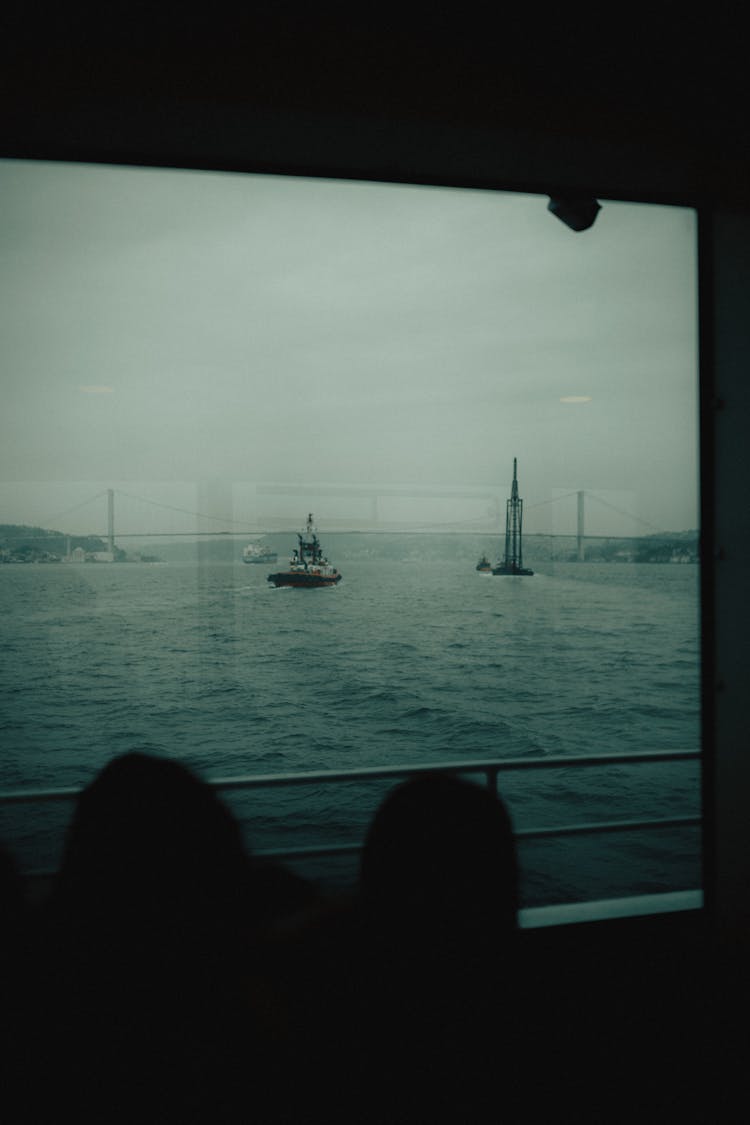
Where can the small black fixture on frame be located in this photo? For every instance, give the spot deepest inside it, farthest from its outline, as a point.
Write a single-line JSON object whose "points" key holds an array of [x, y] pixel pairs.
{"points": [[577, 211]]}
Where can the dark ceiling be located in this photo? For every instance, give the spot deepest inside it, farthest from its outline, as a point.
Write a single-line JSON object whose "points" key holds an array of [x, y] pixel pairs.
{"points": [[667, 82]]}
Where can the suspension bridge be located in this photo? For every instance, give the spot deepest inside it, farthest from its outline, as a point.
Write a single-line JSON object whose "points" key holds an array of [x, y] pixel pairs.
{"points": [[373, 499]]}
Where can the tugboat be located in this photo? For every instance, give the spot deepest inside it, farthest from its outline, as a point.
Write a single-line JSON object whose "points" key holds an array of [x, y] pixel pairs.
{"points": [[513, 560], [484, 565], [307, 566]]}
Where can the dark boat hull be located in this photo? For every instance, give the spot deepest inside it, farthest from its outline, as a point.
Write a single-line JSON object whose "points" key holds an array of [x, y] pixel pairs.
{"points": [[303, 581], [521, 571]]}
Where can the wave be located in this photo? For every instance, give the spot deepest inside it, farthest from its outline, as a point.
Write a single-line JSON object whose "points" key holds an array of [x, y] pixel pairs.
{"points": [[431, 668]]}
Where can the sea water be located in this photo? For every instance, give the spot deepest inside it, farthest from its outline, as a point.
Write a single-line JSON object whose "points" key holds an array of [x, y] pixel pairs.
{"points": [[414, 661]]}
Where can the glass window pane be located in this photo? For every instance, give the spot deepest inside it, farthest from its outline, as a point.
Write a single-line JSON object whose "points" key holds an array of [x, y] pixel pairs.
{"points": [[195, 361]]}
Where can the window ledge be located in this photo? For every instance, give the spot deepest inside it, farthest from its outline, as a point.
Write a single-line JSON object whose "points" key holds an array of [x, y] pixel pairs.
{"points": [[636, 906]]}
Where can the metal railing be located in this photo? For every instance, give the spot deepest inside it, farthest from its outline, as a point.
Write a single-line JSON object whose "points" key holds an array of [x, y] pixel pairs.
{"points": [[490, 769]]}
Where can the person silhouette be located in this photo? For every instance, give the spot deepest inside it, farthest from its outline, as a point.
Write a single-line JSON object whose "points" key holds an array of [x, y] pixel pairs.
{"points": [[439, 895], [150, 925], [16, 959]]}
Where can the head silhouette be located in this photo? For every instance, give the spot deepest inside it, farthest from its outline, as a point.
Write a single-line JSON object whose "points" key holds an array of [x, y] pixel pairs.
{"points": [[151, 842], [439, 867]]}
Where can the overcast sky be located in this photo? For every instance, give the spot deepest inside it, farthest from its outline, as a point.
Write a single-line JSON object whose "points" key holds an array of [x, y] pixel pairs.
{"points": [[186, 337]]}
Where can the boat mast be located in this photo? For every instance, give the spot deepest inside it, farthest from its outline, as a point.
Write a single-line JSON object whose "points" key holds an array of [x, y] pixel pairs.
{"points": [[309, 546], [513, 525]]}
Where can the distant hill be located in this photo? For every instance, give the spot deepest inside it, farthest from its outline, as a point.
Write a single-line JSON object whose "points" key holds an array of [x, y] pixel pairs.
{"points": [[27, 544]]}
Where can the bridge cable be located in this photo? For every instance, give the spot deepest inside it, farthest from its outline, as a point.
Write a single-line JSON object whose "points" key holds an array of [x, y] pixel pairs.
{"points": [[184, 511]]}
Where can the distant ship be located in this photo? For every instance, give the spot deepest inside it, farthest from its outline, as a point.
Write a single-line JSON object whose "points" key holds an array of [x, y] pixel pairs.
{"points": [[513, 559], [255, 553], [484, 565], [307, 567]]}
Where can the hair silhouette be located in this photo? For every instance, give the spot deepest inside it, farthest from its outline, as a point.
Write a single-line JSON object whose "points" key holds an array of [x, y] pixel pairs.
{"points": [[439, 886], [152, 921], [439, 861], [148, 833]]}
